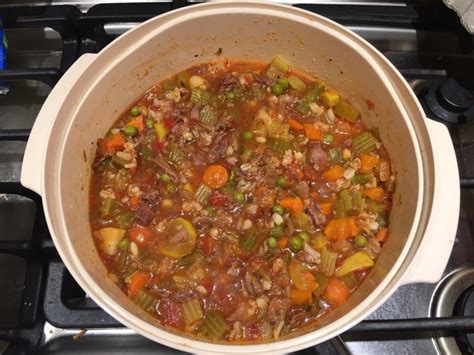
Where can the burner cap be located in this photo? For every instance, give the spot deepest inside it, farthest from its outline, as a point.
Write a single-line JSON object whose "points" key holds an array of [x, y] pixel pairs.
{"points": [[449, 101], [454, 296], [465, 307]]}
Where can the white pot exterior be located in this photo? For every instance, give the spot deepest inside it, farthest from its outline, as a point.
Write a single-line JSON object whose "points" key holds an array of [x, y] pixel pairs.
{"points": [[97, 88]]}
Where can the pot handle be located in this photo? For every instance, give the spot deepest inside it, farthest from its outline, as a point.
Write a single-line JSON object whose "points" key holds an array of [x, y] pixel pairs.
{"points": [[434, 251], [34, 157]]}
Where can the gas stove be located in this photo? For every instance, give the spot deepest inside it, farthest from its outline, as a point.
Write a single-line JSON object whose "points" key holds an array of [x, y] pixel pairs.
{"points": [[43, 310]]}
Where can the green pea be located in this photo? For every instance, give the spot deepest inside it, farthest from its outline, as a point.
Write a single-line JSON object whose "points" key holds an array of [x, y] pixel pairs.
{"points": [[124, 244], [281, 181], [296, 243], [247, 135], [146, 152], [283, 82], [149, 123], [271, 242], [172, 187], [135, 110], [304, 235], [278, 209], [247, 153], [277, 89], [360, 241], [165, 177], [130, 131], [230, 95], [328, 138], [239, 197], [210, 210]]}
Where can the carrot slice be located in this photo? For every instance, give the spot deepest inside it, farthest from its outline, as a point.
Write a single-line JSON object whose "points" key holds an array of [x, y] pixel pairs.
{"points": [[368, 162], [134, 200], [137, 282], [334, 173], [326, 208], [140, 235], [294, 204], [114, 143], [374, 193], [312, 132], [295, 125], [282, 242], [299, 297], [341, 228], [215, 176], [382, 235], [337, 292], [138, 123]]}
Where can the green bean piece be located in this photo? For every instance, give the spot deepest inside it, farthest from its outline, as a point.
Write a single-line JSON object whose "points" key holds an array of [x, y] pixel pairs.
{"points": [[283, 82], [130, 131], [271, 242], [360, 241], [278, 209], [296, 243], [124, 220], [135, 111], [304, 236], [107, 207], [276, 231]]}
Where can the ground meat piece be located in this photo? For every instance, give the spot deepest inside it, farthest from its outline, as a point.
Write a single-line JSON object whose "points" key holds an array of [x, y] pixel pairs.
{"points": [[264, 80], [277, 308], [144, 214], [230, 83], [319, 219], [170, 313], [221, 141], [318, 157], [152, 197], [194, 115], [301, 189], [161, 162]]}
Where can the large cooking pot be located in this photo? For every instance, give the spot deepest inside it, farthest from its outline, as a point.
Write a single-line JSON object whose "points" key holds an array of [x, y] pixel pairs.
{"points": [[98, 87]]}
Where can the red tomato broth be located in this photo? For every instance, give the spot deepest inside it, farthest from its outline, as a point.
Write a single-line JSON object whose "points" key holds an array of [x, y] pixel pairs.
{"points": [[185, 204]]}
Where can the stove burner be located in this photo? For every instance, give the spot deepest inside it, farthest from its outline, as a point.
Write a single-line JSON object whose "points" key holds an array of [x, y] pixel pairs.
{"points": [[465, 307], [449, 101], [454, 297]]}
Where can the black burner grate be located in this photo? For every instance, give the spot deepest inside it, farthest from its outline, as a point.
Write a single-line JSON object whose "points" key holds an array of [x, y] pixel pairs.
{"points": [[46, 276]]}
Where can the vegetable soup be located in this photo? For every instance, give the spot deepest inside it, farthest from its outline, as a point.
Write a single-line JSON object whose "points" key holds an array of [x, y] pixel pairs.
{"points": [[240, 201]]}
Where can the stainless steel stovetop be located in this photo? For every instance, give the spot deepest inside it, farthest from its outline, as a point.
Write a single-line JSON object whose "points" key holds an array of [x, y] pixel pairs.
{"points": [[426, 51]]}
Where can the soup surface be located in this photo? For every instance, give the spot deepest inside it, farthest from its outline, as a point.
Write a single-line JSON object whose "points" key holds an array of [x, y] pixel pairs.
{"points": [[240, 200]]}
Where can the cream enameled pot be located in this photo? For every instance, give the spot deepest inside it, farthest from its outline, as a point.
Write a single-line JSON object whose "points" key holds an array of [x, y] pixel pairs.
{"points": [[98, 87]]}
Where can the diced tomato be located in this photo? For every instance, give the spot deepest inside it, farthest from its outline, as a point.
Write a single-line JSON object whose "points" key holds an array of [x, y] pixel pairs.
{"points": [[224, 298], [157, 146], [207, 245], [207, 283], [170, 313], [217, 200], [342, 130], [140, 235], [168, 122]]}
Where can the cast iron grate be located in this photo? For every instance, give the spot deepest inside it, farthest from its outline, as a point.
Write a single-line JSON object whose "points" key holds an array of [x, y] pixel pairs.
{"points": [[46, 275]]}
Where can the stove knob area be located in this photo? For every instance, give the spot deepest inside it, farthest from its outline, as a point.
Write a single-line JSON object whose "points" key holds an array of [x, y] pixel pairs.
{"points": [[449, 100]]}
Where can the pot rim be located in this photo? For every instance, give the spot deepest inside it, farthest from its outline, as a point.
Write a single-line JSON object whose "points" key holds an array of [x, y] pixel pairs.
{"points": [[375, 298]]}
